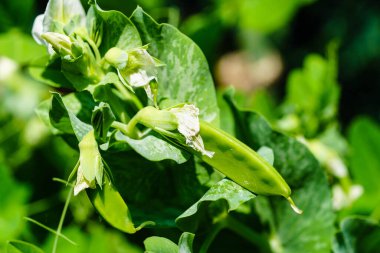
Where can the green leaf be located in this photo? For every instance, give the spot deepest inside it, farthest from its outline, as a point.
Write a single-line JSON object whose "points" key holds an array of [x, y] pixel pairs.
{"points": [[357, 235], [186, 77], [49, 72], [101, 120], [111, 206], [154, 148], [15, 246], [64, 115], [156, 244], [20, 47], [118, 30], [224, 195], [185, 243], [156, 191], [364, 138], [313, 230]]}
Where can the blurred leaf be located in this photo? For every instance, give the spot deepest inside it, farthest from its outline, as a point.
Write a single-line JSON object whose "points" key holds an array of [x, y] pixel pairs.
{"points": [[16, 13], [266, 16], [313, 92], [155, 244], [364, 139], [154, 148], [226, 194], [12, 201], [94, 239], [357, 235], [20, 47], [313, 230], [186, 77], [16, 246]]}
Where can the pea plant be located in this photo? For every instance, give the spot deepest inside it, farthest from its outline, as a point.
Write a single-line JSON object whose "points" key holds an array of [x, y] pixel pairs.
{"points": [[137, 100]]}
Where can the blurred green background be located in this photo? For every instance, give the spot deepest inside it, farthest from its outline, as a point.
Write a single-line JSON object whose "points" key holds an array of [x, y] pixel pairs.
{"points": [[311, 67]]}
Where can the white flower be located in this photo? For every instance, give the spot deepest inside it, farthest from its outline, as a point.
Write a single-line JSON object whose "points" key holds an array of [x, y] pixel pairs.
{"points": [[343, 199], [189, 127], [59, 14], [90, 168], [136, 68], [7, 68]]}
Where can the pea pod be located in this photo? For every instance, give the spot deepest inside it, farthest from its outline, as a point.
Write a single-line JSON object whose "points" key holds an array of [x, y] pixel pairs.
{"points": [[243, 165]]}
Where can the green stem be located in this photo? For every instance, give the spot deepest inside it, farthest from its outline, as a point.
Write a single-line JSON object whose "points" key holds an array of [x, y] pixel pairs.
{"points": [[95, 49], [129, 129], [211, 236], [59, 229], [247, 233], [128, 96]]}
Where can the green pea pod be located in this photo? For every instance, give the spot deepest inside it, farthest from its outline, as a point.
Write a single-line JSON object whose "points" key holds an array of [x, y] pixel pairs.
{"points": [[243, 165], [111, 206]]}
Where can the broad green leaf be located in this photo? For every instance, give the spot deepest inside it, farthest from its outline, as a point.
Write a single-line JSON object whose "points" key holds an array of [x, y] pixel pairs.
{"points": [[118, 30], [156, 191], [12, 201], [154, 148], [17, 246], [156, 244], [186, 77], [185, 243], [313, 230], [364, 139], [111, 206], [357, 235], [64, 115], [224, 195]]}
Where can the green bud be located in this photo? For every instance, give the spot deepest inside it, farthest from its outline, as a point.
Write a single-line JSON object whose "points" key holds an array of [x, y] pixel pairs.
{"points": [[60, 43], [117, 57]]}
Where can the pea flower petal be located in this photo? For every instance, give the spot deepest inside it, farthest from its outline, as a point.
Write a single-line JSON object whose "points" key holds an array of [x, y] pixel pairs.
{"points": [[90, 170], [189, 127]]}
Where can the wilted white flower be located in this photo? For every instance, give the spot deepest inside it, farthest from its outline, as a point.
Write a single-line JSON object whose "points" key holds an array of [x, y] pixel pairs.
{"points": [[189, 127], [90, 170]]}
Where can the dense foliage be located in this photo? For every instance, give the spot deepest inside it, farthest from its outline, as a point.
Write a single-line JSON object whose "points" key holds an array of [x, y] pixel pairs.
{"points": [[141, 128]]}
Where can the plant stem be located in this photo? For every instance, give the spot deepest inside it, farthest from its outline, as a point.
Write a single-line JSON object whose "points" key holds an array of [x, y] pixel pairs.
{"points": [[127, 129], [59, 229], [247, 233], [128, 96], [211, 236], [94, 49]]}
